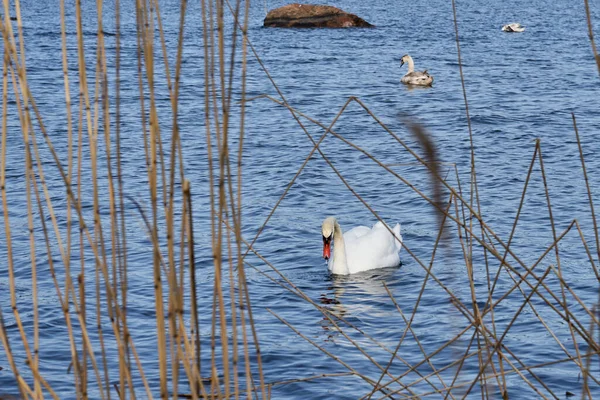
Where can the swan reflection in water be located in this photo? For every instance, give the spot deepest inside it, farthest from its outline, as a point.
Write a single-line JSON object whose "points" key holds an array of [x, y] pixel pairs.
{"points": [[349, 297], [410, 88]]}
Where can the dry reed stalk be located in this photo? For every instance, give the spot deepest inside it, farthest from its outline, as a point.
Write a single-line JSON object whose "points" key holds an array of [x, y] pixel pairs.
{"points": [[514, 225], [491, 289], [310, 378], [68, 285], [32, 363], [461, 362], [227, 90], [195, 323], [587, 250], [175, 295], [409, 323], [235, 209], [153, 184], [81, 376], [7, 230], [226, 209], [557, 254], [474, 192], [122, 240], [586, 370], [414, 335], [22, 385], [497, 275], [467, 251], [218, 312], [240, 266], [591, 33], [589, 192], [64, 305], [119, 324]]}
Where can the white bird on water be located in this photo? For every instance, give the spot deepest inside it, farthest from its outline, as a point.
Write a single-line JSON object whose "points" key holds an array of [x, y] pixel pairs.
{"points": [[514, 27], [413, 77], [361, 248]]}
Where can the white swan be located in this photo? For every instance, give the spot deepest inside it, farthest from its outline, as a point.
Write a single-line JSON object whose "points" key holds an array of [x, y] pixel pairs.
{"points": [[514, 27], [361, 248], [413, 77]]}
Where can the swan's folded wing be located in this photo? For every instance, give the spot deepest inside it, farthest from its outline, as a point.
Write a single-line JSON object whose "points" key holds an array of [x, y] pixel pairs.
{"points": [[382, 246], [385, 246], [390, 244], [424, 78], [355, 233], [418, 78], [398, 239]]}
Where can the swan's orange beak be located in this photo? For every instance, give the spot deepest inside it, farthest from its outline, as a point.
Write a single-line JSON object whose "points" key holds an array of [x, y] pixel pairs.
{"points": [[326, 247], [326, 251]]}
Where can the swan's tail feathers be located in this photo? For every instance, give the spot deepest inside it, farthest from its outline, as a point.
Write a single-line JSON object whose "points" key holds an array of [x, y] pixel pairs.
{"points": [[398, 235]]}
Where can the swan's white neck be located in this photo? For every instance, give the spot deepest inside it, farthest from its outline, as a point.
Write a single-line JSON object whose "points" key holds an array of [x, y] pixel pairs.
{"points": [[411, 64], [338, 264]]}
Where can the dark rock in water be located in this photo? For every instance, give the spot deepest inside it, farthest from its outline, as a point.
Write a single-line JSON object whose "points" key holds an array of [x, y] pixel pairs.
{"points": [[312, 16]]}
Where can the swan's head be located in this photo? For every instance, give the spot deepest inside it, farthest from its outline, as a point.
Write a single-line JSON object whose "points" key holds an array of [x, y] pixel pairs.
{"points": [[404, 59], [327, 229]]}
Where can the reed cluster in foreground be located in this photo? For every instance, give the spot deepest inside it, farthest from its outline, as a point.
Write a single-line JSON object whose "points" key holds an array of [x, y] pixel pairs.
{"points": [[83, 236]]}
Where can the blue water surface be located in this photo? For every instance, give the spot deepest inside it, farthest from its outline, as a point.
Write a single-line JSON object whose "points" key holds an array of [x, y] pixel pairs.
{"points": [[520, 88]]}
